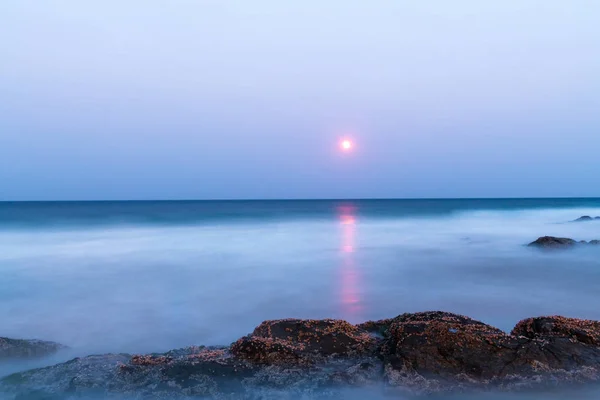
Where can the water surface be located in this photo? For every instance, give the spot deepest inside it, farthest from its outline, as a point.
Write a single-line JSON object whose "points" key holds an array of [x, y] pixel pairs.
{"points": [[153, 276]]}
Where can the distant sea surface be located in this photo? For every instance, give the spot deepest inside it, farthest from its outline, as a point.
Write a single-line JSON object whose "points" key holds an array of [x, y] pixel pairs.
{"points": [[153, 276]]}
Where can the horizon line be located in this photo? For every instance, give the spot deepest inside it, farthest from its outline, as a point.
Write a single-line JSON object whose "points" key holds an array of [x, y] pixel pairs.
{"points": [[301, 199]]}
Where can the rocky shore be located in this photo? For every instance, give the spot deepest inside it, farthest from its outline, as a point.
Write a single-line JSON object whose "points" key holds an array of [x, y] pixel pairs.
{"points": [[417, 354], [20, 348]]}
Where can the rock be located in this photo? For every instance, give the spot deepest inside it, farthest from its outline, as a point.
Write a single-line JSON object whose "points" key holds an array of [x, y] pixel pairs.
{"points": [[293, 340], [420, 353], [267, 351], [199, 372], [193, 372], [56, 382], [19, 348], [452, 351], [584, 331], [551, 242], [377, 328], [446, 344], [586, 218]]}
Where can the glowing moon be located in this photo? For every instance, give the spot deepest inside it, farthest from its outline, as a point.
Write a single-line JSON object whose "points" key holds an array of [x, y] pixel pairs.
{"points": [[346, 145]]}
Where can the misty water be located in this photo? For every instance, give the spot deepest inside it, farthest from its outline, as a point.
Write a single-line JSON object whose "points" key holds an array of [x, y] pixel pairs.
{"points": [[150, 277]]}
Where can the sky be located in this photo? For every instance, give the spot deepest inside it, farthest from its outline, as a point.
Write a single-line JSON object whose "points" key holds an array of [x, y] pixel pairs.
{"points": [[203, 99]]}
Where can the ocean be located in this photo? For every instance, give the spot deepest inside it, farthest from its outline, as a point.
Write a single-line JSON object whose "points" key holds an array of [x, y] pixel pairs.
{"points": [[152, 276]]}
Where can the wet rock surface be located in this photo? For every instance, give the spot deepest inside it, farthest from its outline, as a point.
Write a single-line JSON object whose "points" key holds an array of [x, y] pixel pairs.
{"points": [[581, 330], [419, 353], [302, 341], [552, 242], [20, 348], [435, 351]]}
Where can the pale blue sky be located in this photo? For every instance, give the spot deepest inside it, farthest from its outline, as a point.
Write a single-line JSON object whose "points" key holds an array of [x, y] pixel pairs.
{"points": [[146, 99]]}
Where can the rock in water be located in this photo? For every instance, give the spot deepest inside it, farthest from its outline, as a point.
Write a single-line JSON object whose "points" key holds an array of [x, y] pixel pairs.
{"points": [[586, 218], [421, 353], [551, 242], [436, 351], [19, 348]]}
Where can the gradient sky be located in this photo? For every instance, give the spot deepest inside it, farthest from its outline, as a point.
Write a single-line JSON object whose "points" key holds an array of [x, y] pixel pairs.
{"points": [[202, 99]]}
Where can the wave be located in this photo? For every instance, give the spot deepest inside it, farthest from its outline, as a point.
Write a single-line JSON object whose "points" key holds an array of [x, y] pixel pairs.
{"points": [[140, 288]]}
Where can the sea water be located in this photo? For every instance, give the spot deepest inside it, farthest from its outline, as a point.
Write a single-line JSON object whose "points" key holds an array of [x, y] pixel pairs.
{"points": [[141, 277]]}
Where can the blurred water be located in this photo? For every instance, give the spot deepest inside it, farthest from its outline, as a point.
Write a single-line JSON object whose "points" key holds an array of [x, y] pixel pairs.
{"points": [[141, 277]]}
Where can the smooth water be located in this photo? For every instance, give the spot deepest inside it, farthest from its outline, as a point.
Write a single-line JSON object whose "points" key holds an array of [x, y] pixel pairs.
{"points": [[152, 276]]}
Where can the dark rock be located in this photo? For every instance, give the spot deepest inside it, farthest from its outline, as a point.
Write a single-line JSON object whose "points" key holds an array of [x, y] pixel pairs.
{"points": [[294, 340], [19, 348], [193, 372], [61, 379], [584, 331], [421, 353], [435, 351], [586, 218], [267, 351], [378, 328], [449, 345], [206, 372], [446, 344], [551, 242]]}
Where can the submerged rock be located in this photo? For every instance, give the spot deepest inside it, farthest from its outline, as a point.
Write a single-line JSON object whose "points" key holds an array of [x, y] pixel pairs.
{"points": [[419, 353], [586, 218], [19, 348], [194, 372], [551, 242]]}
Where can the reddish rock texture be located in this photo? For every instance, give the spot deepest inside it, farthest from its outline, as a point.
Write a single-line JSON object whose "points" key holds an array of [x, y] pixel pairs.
{"points": [[207, 355], [443, 343], [414, 348], [581, 330], [450, 347], [301, 341], [421, 353], [147, 360], [267, 351]]}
